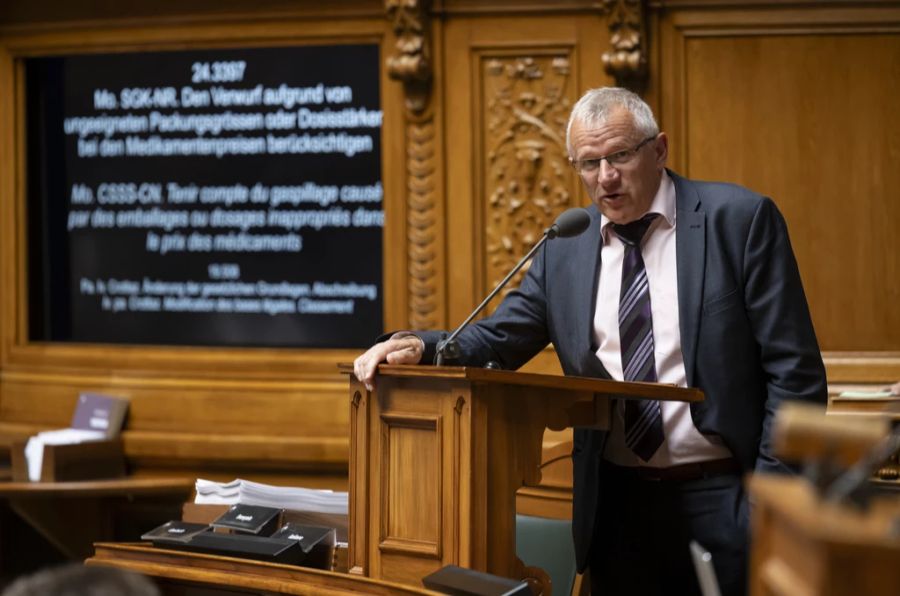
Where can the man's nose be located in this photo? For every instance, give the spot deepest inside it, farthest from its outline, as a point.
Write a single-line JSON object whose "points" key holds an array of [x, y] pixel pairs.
{"points": [[607, 173]]}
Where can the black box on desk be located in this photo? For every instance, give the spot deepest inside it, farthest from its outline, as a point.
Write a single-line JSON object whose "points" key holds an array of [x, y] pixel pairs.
{"points": [[174, 533], [316, 542], [245, 546], [249, 519], [459, 581]]}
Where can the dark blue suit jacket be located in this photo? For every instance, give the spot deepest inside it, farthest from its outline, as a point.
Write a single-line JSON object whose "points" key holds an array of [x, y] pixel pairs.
{"points": [[746, 333]]}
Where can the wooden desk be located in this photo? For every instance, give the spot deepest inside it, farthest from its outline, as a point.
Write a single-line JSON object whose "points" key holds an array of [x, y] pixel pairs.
{"points": [[74, 515], [185, 573]]}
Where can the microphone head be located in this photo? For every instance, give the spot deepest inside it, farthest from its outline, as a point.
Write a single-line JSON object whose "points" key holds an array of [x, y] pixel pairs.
{"points": [[570, 222]]}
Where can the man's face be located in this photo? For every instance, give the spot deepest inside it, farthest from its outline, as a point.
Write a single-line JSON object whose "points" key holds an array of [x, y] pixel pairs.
{"points": [[622, 192]]}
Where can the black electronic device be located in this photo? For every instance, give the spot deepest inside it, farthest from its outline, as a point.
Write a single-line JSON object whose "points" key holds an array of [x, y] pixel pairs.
{"points": [[249, 519], [316, 542], [174, 533], [245, 546], [459, 581]]}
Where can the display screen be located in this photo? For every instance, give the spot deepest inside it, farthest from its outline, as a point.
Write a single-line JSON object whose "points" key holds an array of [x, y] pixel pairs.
{"points": [[211, 198]]}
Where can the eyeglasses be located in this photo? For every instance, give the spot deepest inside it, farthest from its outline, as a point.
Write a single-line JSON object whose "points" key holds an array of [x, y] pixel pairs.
{"points": [[619, 158]]}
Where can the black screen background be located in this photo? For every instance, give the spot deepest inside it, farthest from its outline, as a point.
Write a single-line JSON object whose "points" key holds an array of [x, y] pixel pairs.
{"points": [[58, 259]]}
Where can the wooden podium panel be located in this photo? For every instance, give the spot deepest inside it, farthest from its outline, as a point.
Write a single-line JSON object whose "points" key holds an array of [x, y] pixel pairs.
{"points": [[437, 454]]}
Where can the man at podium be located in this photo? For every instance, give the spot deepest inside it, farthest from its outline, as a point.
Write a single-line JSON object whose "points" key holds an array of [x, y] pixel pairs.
{"points": [[698, 287]]}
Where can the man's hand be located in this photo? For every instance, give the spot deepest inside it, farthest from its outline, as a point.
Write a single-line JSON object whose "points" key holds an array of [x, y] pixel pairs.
{"points": [[405, 349], [895, 388]]}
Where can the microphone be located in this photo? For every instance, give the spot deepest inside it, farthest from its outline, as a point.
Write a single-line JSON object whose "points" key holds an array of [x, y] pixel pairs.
{"points": [[569, 223]]}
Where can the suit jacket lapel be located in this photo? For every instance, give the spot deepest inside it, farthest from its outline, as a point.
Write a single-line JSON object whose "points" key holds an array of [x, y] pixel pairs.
{"points": [[585, 295], [690, 242]]}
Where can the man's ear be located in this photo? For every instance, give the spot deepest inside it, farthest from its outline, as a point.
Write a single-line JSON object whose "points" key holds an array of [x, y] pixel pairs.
{"points": [[662, 150]]}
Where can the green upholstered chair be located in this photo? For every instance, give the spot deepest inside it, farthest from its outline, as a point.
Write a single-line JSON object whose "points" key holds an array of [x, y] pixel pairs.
{"points": [[547, 543]]}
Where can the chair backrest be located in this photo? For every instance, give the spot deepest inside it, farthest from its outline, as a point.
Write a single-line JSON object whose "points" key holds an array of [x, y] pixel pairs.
{"points": [[547, 543]]}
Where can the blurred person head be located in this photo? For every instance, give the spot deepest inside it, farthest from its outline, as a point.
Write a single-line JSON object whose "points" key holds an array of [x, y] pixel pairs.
{"points": [[80, 580]]}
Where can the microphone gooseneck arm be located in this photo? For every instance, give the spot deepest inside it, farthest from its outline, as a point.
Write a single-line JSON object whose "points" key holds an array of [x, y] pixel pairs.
{"points": [[449, 344], [571, 222]]}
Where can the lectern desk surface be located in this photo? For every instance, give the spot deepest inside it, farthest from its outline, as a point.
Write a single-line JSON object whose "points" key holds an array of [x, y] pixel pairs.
{"points": [[619, 389]]}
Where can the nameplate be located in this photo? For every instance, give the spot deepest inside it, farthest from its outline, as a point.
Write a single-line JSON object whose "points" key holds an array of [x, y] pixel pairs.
{"points": [[249, 519], [316, 543], [174, 532]]}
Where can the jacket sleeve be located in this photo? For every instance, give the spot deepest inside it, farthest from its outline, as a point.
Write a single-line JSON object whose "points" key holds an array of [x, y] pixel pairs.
{"points": [[513, 334], [779, 316]]}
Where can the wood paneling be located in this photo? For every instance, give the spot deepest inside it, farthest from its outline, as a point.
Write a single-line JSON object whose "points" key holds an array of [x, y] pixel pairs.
{"points": [[263, 413], [511, 82], [797, 101], [411, 520], [820, 135]]}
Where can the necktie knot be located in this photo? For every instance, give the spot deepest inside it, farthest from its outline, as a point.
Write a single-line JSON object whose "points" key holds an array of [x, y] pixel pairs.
{"points": [[632, 233]]}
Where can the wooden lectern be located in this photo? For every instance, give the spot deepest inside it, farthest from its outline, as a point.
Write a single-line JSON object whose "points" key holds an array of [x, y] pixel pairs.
{"points": [[437, 454]]}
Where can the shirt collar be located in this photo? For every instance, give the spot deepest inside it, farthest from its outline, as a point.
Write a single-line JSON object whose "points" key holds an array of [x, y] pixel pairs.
{"points": [[663, 204]]}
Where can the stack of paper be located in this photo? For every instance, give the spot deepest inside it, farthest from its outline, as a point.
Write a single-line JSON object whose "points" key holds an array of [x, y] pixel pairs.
{"points": [[309, 506], [282, 497]]}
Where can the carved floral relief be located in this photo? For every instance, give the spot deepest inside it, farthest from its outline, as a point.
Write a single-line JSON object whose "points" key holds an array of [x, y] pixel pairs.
{"points": [[527, 179]]}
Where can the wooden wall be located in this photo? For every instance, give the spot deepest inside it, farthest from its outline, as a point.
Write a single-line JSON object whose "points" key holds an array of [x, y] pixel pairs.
{"points": [[794, 99], [278, 415], [797, 100]]}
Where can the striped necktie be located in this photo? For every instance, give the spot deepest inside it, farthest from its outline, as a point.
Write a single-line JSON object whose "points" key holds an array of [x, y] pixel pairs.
{"points": [[643, 419]]}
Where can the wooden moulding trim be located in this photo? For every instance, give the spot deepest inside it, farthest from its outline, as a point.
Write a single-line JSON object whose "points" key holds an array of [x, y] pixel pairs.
{"points": [[546, 494], [318, 452], [116, 487], [686, 4], [200, 361], [862, 367], [271, 379], [198, 37], [459, 8], [748, 20], [786, 30], [544, 503], [410, 547], [841, 367], [335, 11], [231, 571], [570, 383], [236, 447]]}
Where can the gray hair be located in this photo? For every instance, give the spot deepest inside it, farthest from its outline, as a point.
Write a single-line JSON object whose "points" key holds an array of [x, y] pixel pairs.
{"points": [[595, 107]]}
